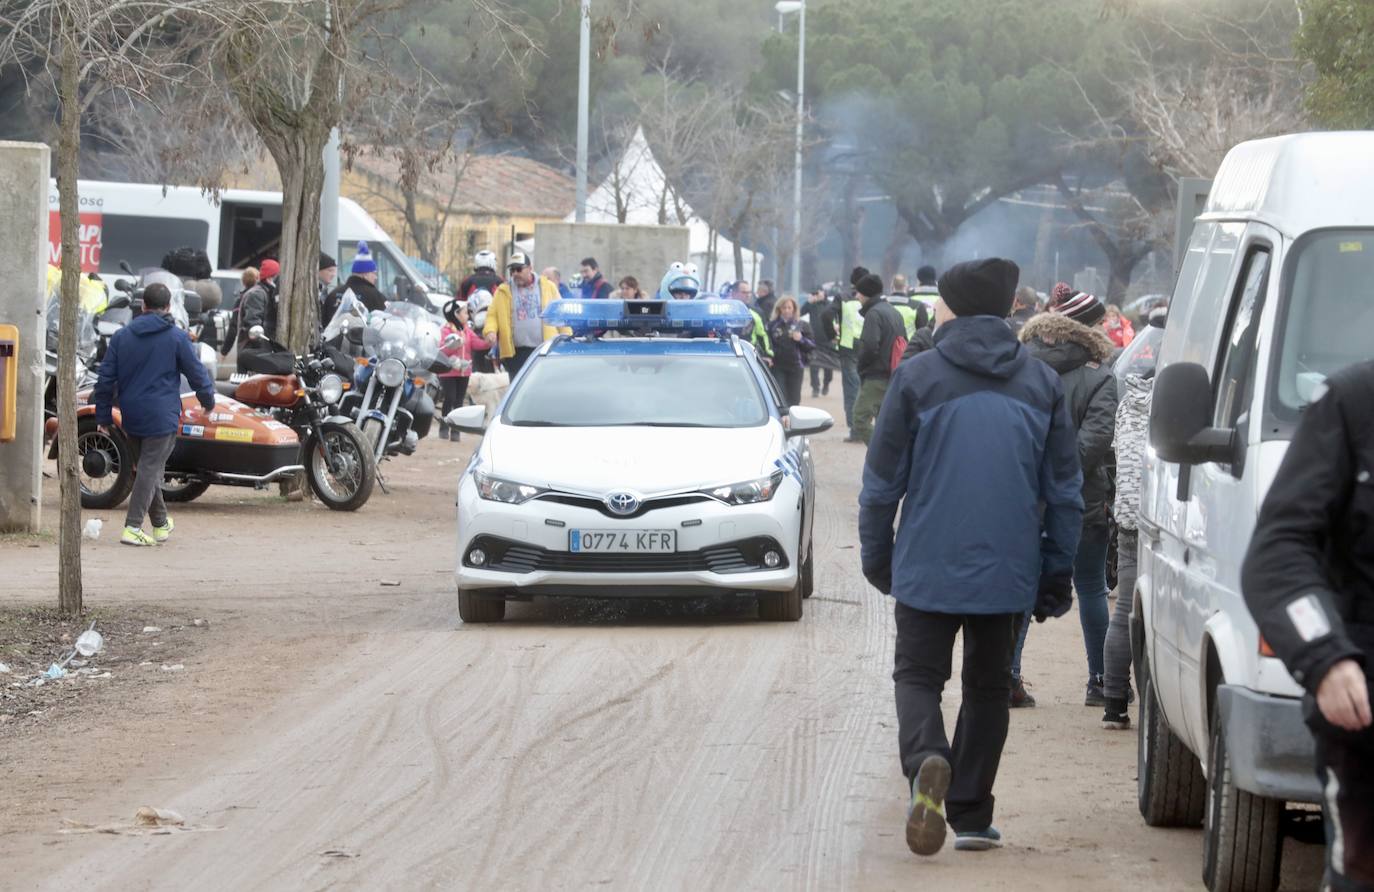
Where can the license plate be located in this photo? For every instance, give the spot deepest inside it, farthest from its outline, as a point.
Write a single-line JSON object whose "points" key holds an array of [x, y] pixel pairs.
{"points": [[622, 541]]}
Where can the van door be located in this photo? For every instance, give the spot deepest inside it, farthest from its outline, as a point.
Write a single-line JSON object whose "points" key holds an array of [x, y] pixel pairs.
{"points": [[1221, 510], [1191, 336]]}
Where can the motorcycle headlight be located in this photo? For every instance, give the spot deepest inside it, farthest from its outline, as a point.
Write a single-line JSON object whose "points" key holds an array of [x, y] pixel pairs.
{"points": [[494, 489], [748, 492], [391, 372], [331, 389]]}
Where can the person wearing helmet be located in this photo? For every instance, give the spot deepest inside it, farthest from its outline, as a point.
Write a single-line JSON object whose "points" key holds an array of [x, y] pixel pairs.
{"points": [[484, 276], [679, 284], [478, 304]]}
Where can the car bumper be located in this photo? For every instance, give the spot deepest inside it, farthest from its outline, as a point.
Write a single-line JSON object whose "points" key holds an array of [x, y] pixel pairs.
{"points": [[1270, 749], [542, 528]]}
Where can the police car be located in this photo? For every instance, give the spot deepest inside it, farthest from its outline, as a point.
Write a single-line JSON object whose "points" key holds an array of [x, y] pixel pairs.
{"points": [[648, 454]]}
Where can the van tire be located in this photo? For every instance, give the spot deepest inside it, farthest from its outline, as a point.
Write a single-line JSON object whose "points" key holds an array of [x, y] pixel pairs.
{"points": [[1242, 842], [474, 608], [1170, 788]]}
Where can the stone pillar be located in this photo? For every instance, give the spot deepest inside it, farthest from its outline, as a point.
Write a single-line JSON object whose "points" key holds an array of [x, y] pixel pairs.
{"points": [[23, 256]]}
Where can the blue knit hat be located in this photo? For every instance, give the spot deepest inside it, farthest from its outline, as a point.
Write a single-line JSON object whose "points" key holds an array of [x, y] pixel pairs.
{"points": [[363, 262]]}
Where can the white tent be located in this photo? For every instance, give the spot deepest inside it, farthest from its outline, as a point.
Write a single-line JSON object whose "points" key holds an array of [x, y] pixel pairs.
{"points": [[638, 187]]}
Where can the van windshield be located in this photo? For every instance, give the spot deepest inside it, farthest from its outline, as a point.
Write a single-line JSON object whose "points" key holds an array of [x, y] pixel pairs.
{"points": [[1328, 316]]}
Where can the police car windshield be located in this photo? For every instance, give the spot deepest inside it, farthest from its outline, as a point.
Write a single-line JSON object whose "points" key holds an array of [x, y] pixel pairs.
{"points": [[655, 390]]}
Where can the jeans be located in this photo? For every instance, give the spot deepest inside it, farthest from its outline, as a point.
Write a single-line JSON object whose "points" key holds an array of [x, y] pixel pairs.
{"points": [[924, 650], [867, 406], [1090, 583], [816, 384], [1116, 656], [151, 454], [1020, 646], [849, 380]]}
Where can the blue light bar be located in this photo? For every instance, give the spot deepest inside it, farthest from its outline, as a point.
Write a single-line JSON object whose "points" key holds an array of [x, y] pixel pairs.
{"points": [[707, 315]]}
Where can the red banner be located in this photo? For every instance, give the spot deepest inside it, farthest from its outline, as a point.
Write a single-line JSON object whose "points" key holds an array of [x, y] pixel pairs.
{"points": [[88, 234]]}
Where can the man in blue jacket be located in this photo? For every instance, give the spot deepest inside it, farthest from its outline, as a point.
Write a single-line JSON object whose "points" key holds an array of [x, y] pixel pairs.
{"points": [[975, 445], [142, 375]]}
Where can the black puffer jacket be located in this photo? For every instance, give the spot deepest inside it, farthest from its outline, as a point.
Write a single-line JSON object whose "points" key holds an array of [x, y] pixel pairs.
{"points": [[1080, 354]]}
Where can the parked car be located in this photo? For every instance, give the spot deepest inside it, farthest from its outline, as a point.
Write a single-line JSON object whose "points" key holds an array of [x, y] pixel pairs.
{"points": [[1276, 293]]}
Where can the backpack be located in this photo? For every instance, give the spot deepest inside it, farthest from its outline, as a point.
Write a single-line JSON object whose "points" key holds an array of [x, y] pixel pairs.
{"points": [[894, 358]]}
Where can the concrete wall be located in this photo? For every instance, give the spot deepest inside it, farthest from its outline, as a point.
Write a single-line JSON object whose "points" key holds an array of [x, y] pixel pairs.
{"points": [[622, 250], [23, 250]]}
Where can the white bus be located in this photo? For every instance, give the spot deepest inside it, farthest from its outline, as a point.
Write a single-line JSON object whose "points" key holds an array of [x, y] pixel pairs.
{"points": [[138, 223]]}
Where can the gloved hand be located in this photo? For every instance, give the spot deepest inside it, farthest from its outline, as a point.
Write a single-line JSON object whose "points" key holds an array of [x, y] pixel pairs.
{"points": [[1054, 598], [207, 403], [880, 579]]}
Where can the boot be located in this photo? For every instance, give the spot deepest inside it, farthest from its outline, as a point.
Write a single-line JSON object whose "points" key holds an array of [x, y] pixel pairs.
{"points": [[443, 431]]}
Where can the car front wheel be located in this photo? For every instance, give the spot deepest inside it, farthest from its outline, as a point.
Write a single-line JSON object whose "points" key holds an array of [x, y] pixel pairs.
{"points": [[474, 608]]}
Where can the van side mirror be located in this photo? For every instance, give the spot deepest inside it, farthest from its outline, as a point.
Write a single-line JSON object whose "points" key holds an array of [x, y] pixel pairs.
{"points": [[1181, 417]]}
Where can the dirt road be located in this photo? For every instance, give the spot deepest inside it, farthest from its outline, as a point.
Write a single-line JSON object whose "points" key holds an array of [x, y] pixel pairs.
{"points": [[579, 744]]}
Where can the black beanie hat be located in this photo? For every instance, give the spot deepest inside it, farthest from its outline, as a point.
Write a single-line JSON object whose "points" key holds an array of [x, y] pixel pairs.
{"points": [[869, 286], [326, 261], [858, 273], [980, 287]]}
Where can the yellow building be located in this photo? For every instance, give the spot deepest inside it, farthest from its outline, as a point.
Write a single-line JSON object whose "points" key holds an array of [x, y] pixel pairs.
{"points": [[478, 202]]}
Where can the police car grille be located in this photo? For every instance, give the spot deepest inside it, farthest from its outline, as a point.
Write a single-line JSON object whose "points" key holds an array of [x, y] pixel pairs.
{"points": [[649, 505]]}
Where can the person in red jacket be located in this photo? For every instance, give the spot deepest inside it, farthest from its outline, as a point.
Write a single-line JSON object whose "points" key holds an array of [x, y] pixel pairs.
{"points": [[461, 343], [1118, 327]]}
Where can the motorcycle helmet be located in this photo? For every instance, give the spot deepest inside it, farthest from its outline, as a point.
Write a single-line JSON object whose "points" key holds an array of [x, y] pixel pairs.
{"points": [[678, 284], [484, 260], [478, 303]]}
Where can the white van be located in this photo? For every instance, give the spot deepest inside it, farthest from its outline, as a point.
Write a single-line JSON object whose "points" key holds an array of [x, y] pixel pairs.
{"points": [[139, 223], [1276, 293]]}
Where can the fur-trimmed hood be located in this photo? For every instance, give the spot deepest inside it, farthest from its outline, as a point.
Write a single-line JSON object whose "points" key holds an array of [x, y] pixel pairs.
{"points": [[1064, 343]]}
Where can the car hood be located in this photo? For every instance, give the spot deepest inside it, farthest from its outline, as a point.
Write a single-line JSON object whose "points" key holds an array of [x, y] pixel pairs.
{"points": [[645, 460]]}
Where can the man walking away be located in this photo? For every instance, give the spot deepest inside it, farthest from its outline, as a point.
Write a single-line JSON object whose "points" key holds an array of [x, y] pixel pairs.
{"points": [[988, 528], [484, 276], [821, 313], [141, 374], [883, 328], [594, 285], [851, 324], [1308, 579], [513, 322], [926, 290]]}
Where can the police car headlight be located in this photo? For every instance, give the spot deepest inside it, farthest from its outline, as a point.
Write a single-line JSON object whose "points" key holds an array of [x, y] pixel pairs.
{"points": [[749, 492], [331, 389], [494, 489], [391, 372]]}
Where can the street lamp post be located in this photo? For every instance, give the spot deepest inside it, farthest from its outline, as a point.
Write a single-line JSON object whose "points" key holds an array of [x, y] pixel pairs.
{"points": [[583, 98], [783, 7]]}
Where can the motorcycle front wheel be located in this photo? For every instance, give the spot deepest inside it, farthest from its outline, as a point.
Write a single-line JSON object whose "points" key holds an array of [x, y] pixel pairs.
{"points": [[347, 485]]}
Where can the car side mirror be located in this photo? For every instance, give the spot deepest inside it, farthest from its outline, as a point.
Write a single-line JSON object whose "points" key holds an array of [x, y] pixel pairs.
{"points": [[803, 421], [468, 419], [1181, 417]]}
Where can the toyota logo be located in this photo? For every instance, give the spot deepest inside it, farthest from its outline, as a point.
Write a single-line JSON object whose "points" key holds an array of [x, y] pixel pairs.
{"points": [[622, 502]]}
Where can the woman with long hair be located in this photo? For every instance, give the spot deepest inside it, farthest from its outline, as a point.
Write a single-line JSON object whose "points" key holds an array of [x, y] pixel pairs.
{"points": [[792, 345]]}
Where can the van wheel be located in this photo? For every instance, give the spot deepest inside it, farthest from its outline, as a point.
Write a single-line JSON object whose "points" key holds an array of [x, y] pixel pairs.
{"points": [[474, 608], [1242, 844], [1170, 788]]}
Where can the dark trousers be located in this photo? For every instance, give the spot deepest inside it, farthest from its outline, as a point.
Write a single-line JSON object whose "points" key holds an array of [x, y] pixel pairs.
{"points": [[849, 380], [790, 383], [513, 364], [816, 385], [924, 651], [455, 389], [1345, 764]]}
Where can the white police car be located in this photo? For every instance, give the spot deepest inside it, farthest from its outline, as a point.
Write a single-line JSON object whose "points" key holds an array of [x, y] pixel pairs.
{"points": [[644, 464]]}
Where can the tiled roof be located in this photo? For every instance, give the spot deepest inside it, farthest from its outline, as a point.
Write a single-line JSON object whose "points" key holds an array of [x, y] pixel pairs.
{"points": [[489, 184]]}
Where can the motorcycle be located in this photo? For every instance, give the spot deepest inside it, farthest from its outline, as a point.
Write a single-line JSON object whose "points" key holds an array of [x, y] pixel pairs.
{"points": [[232, 445], [301, 392], [392, 399]]}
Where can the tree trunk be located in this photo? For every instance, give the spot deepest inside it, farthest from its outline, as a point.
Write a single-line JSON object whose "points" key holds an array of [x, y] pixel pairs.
{"points": [[896, 247], [851, 227], [69, 596], [1122, 266], [739, 257], [299, 155]]}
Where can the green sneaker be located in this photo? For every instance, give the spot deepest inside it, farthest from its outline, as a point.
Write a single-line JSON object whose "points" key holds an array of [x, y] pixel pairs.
{"points": [[925, 818], [162, 533], [135, 536]]}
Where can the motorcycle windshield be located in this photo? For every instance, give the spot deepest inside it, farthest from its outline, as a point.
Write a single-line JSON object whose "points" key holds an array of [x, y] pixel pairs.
{"points": [[409, 333], [352, 313], [174, 285], [85, 327]]}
